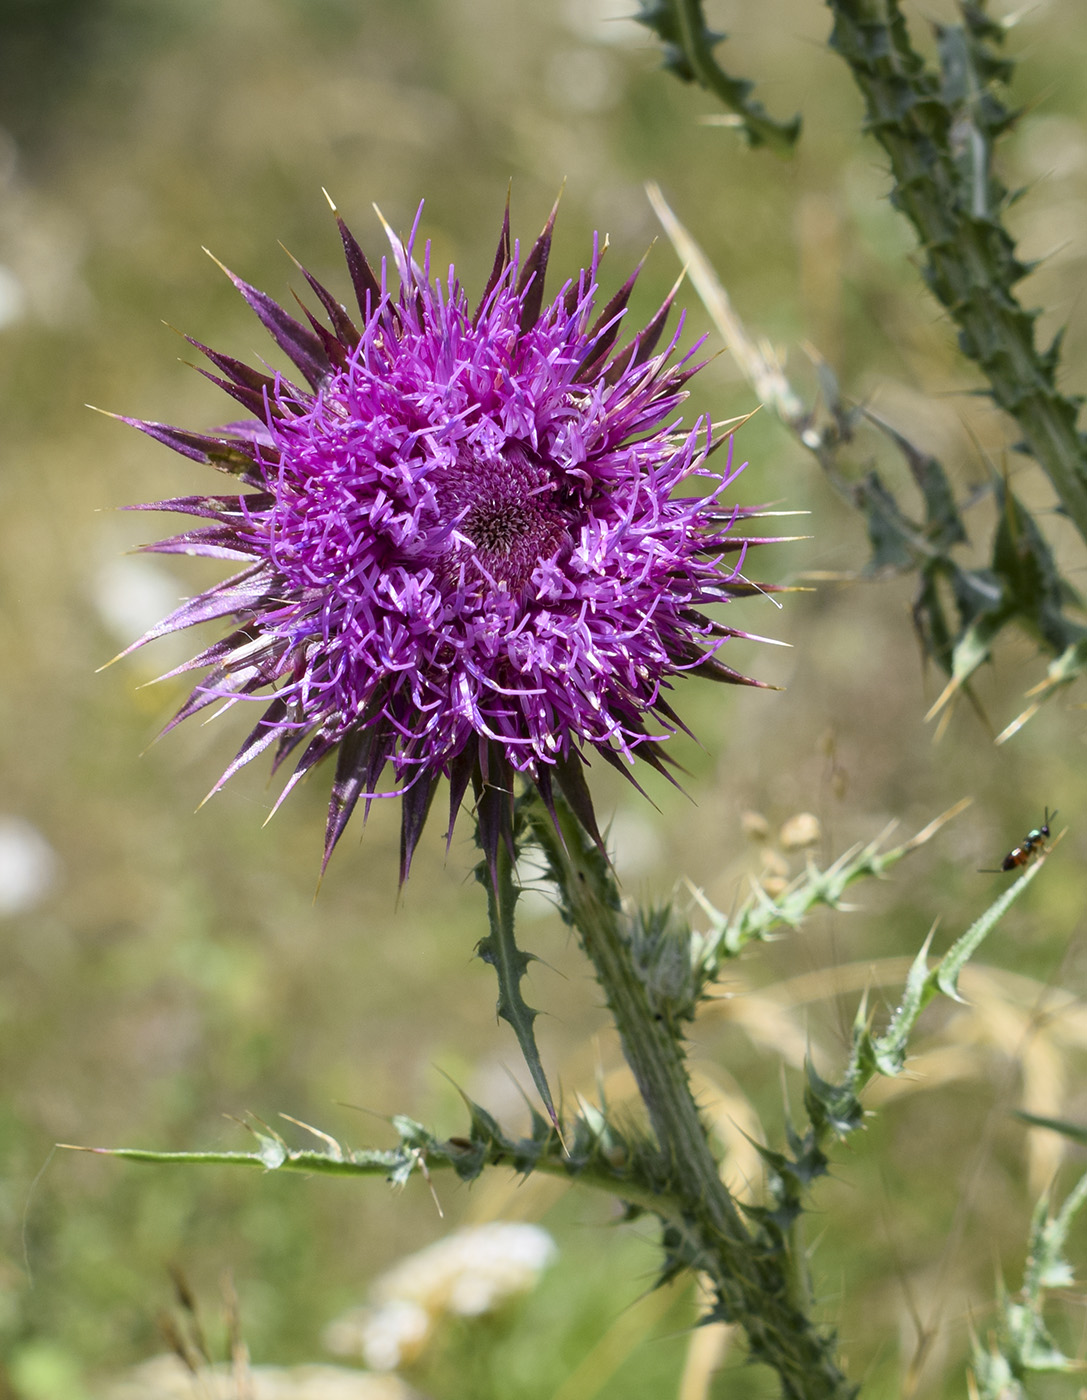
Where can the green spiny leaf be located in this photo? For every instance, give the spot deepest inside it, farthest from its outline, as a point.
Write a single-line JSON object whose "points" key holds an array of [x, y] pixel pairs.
{"points": [[689, 45], [831, 1108], [889, 532], [499, 949], [760, 915], [1021, 1343], [964, 948]]}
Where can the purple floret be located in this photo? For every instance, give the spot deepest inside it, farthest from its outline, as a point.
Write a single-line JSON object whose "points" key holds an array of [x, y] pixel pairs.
{"points": [[464, 552]]}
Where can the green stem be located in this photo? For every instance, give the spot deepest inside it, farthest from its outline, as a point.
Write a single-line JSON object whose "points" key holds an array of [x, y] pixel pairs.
{"points": [[436, 1156], [754, 1282]]}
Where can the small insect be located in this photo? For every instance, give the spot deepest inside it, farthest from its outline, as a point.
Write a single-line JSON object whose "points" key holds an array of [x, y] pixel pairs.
{"points": [[1031, 845]]}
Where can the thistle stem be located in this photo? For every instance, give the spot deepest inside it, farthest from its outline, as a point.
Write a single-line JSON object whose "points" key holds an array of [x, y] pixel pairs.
{"points": [[754, 1282], [969, 260]]}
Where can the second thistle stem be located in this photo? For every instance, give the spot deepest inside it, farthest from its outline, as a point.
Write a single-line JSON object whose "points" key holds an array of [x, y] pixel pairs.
{"points": [[753, 1280]]}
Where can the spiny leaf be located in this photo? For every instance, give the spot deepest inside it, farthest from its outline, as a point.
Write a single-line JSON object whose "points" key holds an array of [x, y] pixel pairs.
{"points": [[964, 948], [510, 963], [1021, 1343], [688, 53], [760, 915]]}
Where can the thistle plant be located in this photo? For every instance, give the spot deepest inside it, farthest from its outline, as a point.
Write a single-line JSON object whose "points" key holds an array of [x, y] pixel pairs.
{"points": [[463, 552], [468, 555], [477, 546]]}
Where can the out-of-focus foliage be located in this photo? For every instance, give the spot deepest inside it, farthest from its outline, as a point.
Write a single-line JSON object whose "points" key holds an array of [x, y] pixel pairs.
{"points": [[1020, 1345], [939, 126], [160, 970]]}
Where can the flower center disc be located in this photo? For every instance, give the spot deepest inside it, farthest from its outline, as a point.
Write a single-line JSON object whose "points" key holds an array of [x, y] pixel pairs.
{"points": [[507, 511]]}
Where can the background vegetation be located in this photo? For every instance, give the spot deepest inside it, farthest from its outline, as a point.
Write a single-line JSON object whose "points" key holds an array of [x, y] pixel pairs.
{"points": [[176, 969]]}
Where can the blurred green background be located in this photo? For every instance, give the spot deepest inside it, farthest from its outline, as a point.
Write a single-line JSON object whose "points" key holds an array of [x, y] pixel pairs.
{"points": [[161, 971]]}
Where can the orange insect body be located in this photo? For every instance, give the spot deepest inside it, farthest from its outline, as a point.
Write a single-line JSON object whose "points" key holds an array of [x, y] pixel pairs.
{"points": [[1031, 845]]}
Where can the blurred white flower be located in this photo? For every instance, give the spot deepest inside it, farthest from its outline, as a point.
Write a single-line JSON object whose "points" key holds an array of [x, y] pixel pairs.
{"points": [[384, 1336], [470, 1273], [29, 866], [130, 595]]}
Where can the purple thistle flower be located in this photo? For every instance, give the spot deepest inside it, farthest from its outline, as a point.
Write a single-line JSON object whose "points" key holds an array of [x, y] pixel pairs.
{"points": [[463, 552]]}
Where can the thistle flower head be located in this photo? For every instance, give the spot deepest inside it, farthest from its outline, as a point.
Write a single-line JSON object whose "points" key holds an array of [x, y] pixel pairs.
{"points": [[464, 548]]}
